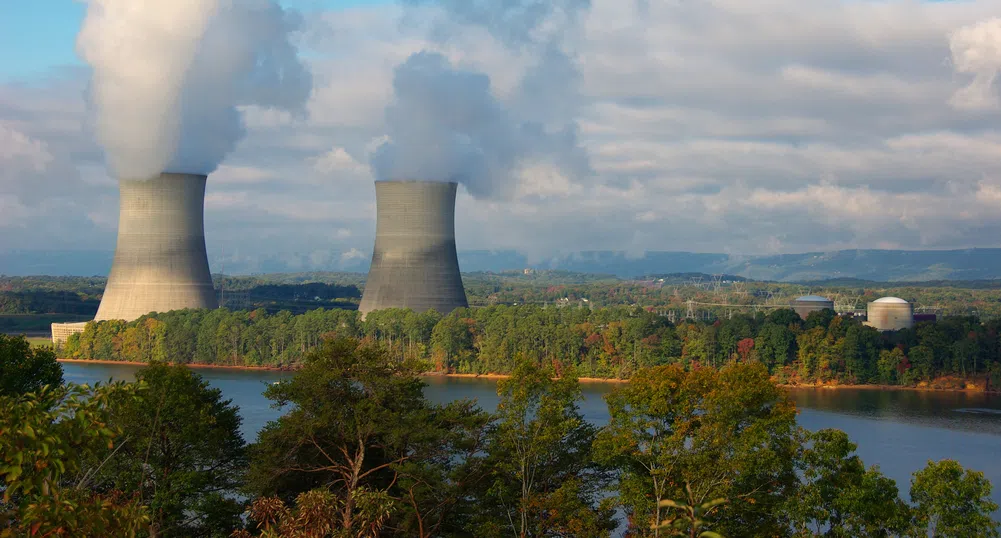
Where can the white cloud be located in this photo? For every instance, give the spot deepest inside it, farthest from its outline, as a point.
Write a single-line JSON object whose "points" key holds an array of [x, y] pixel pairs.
{"points": [[723, 126]]}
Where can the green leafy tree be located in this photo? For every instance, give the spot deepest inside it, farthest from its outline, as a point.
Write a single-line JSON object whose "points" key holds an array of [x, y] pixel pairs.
{"points": [[774, 345], [185, 455], [23, 369], [951, 502], [889, 366], [543, 480], [728, 434], [839, 497], [52, 442], [688, 519], [360, 428]]}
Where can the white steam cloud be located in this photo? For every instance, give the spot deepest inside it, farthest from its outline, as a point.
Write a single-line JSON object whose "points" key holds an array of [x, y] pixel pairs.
{"points": [[976, 50], [445, 123], [168, 78]]}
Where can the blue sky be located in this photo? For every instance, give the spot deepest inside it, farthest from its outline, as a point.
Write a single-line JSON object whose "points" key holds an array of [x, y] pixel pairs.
{"points": [[37, 35]]}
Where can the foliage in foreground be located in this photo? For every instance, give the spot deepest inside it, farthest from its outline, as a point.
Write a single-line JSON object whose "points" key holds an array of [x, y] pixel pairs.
{"points": [[49, 442], [26, 369], [184, 456], [703, 435], [363, 453]]}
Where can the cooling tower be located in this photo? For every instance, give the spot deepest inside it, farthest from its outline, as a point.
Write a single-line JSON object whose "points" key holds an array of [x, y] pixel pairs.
{"points": [[414, 264], [160, 261]]}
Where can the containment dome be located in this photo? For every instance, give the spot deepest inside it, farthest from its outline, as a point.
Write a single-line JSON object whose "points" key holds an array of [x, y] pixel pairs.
{"points": [[810, 303], [890, 314]]}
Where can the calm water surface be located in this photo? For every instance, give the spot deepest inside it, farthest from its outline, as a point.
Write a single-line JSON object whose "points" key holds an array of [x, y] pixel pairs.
{"points": [[897, 430]]}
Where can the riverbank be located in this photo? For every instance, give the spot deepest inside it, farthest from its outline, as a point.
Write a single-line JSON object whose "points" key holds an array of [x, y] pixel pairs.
{"points": [[949, 385], [189, 365]]}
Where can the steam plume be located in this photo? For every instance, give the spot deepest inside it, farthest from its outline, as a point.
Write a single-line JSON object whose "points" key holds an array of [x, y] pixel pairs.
{"points": [[446, 123], [976, 50], [168, 78]]}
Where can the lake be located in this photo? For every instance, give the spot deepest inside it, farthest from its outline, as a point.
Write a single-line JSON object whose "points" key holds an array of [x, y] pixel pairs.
{"points": [[898, 430]]}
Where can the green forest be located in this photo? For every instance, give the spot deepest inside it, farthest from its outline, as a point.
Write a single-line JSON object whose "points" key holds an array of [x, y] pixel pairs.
{"points": [[360, 452], [610, 342]]}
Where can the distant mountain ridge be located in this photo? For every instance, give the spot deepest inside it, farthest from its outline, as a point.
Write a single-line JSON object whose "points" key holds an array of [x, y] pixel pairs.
{"points": [[871, 265]]}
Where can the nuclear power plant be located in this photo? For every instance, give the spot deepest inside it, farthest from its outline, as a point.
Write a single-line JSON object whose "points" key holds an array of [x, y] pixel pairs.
{"points": [[414, 263], [810, 303], [160, 261], [890, 314]]}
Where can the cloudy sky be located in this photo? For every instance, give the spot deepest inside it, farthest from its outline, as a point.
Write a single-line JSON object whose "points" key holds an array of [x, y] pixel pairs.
{"points": [[773, 126]]}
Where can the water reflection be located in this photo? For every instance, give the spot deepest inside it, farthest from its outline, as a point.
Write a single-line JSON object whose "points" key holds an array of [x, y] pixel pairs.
{"points": [[966, 411]]}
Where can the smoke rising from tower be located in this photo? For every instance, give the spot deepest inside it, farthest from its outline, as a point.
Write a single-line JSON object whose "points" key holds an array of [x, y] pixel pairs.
{"points": [[446, 123], [976, 50], [168, 78]]}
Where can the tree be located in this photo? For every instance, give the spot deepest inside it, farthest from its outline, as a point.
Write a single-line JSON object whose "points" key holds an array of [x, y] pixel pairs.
{"points": [[185, 455], [951, 502], [839, 497], [774, 345], [688, 516], [728, 434], [23, 369], [890, 365], [315, 514], [51, 444], [361, 429], [544, 481]]}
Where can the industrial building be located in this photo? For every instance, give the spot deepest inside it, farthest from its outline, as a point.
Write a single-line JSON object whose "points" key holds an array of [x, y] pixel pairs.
{"points": [[414, 263], [160, 260], [62, 331], [890, 314], [810, 303]]}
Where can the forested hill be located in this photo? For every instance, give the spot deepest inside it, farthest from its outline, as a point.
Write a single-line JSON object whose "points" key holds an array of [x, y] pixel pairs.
{"points": [[871, 265]]}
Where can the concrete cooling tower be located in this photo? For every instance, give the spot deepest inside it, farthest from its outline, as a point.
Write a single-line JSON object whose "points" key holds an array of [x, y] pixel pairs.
{"points": [[414, 264], [160, 261]]}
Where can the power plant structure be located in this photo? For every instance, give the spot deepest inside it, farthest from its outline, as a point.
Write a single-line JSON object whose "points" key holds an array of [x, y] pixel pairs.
{"points": [[414, 263], [810, 303], [160, 260], [890, 314]]}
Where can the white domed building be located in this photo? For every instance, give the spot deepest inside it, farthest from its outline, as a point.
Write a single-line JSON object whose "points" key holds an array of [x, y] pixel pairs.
{"points": [[890, 314]]}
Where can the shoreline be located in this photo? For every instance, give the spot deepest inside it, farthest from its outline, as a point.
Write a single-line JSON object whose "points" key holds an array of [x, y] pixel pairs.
{"points": [[189, 365], [498, 377]]}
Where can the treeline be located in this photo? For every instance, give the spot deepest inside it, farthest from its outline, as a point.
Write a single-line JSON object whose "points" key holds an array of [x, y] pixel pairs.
{"points": [[361, 452], [48, 302], [601, 342]]}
